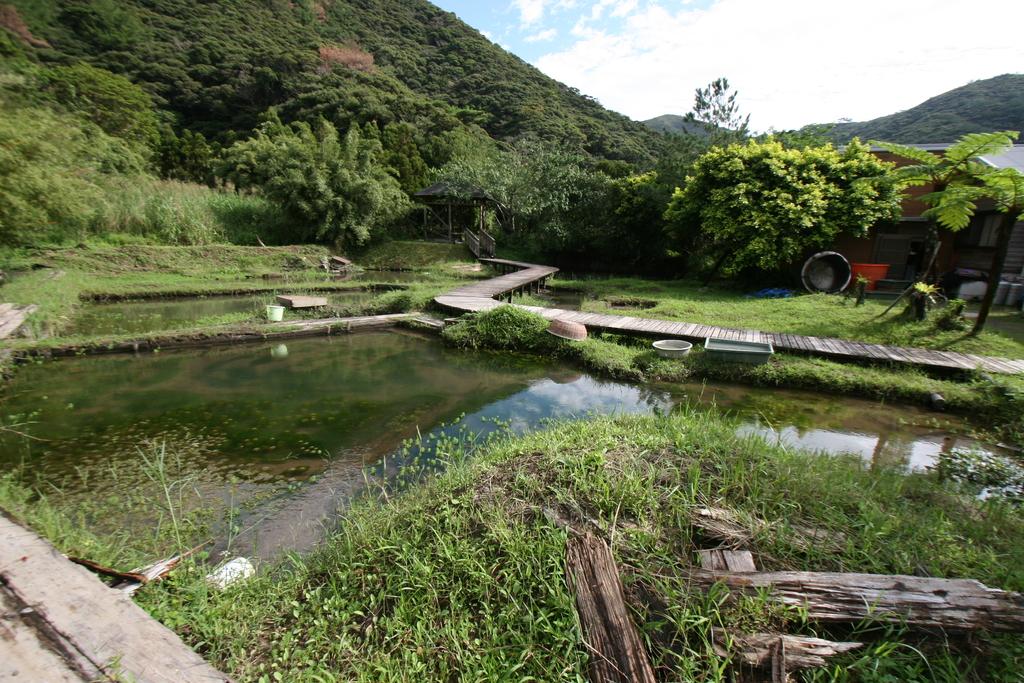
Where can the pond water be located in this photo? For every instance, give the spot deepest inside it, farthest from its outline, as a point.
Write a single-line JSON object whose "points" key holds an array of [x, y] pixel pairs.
{"points": [[287, 430], [155, 315]]}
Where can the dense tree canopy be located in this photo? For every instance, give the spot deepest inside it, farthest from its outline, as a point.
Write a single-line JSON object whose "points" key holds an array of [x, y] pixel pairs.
{"points": [[760, 205], [337, 186]]}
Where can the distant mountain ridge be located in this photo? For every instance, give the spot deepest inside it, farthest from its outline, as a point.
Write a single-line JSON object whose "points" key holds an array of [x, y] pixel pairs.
{"points": [[673, 123], [217, 67], [980, 106]]}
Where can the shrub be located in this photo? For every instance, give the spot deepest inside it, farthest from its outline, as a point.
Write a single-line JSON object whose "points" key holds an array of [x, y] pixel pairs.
{"points": [[505, 327]]}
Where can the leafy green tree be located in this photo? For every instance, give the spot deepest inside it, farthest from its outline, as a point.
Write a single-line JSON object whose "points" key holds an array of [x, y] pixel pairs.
{"points": [[402, 155], [337, 186], [760, 205], [533, 184], [716, 111], [187, 157], [959, 180], [112, 102]]}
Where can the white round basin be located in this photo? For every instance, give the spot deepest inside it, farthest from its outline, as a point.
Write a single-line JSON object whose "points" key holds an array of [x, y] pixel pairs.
{"points": [[672, 348]]}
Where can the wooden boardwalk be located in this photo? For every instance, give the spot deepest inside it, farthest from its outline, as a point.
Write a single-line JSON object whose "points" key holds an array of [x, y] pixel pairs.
{"points": [[528, 277], [61, 623]]}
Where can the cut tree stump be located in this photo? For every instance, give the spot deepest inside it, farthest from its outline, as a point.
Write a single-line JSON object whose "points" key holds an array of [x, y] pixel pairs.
{"points": [[295, 301], [617, 654], [954, 604]]}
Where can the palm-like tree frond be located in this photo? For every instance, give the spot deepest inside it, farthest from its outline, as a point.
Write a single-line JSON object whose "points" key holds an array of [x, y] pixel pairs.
{"points": [[974, 145], [1006, 186], [953, 207], [907, 152]]}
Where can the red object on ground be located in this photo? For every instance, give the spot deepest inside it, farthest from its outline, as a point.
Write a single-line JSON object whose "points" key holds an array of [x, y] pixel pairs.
{"points": [[872, 271]]}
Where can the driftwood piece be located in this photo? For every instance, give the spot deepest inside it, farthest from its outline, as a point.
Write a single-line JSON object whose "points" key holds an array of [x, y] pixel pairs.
{"points": [[97, 633], [727, 560], [726, 526], [955, 604], [617, 654], [129, 583], [762, 650]]}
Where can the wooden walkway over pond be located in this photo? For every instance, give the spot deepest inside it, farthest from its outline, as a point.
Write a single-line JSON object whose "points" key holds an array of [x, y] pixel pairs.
{"points": [[527, 277], [61, 623]]}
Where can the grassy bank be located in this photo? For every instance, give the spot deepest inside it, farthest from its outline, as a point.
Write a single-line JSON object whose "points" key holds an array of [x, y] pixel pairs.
{"points": [[462, 577], [60, 281], [995, 403], [815, 315]]}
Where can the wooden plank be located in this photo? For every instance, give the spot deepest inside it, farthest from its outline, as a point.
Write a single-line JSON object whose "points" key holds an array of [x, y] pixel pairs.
{"points": [[617, 652], [727, 560], [298, 301], [954, 604], [95, 624]]}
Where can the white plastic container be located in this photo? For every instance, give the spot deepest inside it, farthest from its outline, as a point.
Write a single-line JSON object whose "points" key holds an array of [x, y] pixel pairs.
{"points": [[1016, 293], [275, 314], [1001, 292], [238, 569], [972, 291]]}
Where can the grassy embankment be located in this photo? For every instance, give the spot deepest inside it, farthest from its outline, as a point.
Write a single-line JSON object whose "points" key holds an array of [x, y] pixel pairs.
{"points": [[995, 404], [816, 315], [462, 576], [64, 279]]}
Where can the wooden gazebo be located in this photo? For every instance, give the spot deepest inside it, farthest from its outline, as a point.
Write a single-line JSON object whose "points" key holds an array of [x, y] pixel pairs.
{"points": [[440, 203]]}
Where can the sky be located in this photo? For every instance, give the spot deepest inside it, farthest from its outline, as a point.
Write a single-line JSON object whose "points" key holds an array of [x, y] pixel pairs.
{"points": [[793, 62]]}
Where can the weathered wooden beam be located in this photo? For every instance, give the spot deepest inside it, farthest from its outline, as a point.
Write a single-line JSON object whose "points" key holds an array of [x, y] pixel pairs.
{"points": [[763, 650], [91, 628], [727, 560], [954, 604], [617, 654]]}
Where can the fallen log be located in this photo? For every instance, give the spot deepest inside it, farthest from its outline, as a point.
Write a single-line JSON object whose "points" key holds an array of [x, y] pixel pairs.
{"points": [[617, 654], [763, 650], [954, 604]]}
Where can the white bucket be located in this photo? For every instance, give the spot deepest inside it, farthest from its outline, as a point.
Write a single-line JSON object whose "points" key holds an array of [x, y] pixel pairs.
{"points": [[1001, 292], [275, 314]]}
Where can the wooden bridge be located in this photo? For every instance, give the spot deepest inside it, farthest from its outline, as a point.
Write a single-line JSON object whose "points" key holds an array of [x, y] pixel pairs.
{"points": [[526, 277]]}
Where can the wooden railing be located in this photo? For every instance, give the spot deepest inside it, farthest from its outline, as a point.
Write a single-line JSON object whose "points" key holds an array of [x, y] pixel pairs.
{"points": [[472, 241], [482, 245], [488, 247]]}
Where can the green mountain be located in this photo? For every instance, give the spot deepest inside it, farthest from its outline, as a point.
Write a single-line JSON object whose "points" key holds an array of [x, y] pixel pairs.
{"points": [[216, 67], [980, 106], [675, 124]]}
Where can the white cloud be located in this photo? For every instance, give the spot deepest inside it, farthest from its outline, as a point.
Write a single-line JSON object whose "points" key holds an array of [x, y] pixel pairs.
{"points": [[793, 61], [542, 36], [530, 11]]}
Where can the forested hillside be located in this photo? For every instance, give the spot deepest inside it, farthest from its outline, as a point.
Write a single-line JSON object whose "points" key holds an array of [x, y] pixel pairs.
{"points": [[978, 107], [218, 66]]}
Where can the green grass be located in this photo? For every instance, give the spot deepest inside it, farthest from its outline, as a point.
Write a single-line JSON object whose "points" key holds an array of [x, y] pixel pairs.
{"points": [[816, 315], [994, 404], [461, 577], [144, 271], [415, 255]]}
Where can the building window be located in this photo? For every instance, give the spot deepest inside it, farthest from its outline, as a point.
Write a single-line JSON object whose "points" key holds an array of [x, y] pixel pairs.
{"points": [[983, 231]]}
